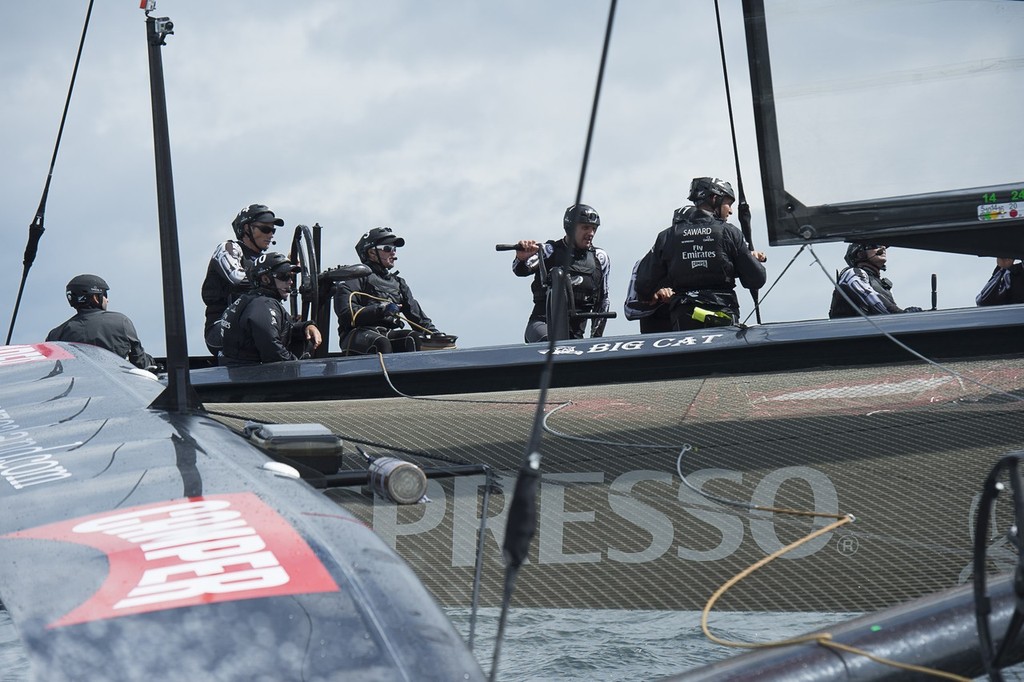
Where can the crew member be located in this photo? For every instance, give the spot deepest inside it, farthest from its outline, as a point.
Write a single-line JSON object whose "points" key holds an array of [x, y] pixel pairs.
{"points": [[254, 228], [1005, 286], [862, 281], [94, 324], [369, 308], [256, 327], [589, 271], [694, 264]]}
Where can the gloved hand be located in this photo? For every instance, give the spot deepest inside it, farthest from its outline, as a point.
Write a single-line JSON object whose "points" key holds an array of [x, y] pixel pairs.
{"points": [[912, 309], [393, 322], [391, 308]]}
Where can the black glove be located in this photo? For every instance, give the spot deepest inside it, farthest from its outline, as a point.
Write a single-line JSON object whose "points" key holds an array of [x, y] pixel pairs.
{"points": [[912, 309]]}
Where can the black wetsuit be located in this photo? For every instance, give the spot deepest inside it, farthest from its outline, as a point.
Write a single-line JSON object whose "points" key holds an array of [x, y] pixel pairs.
{"points": [[365, 325], [106, 329], [258, 329], [699, 258]]}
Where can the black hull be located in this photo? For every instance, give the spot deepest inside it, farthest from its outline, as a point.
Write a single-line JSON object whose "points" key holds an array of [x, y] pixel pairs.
{"points": [[776, 347]]}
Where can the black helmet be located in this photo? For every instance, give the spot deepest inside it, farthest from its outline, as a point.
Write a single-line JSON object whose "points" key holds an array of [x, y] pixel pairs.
{"points": [[705, 189], [272, 264], [577, 214], [254, 213], [856, 253], [81, 289], [376, 237]]}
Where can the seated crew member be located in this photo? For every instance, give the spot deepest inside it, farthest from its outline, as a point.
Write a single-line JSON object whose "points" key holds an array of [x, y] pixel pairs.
{"points": [[1005, 286], [694, 264], [862, 281], [256, 327], [368, 308], [94, 324], [589, 272], [254, 228]]}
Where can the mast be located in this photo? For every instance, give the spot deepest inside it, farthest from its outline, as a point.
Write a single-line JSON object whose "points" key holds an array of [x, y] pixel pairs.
{"points": [[179, 395]]}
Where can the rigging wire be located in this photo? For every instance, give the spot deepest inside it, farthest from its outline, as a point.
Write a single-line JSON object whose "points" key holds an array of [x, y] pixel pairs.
{"points": [[36, 229], [522, 516], [744, 207]]}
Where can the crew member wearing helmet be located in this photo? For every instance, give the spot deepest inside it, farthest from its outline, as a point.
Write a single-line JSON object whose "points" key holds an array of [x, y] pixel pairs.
{"points": [[863, 283], [694, 264], [94, 324], [1005, 286], [368, 307], [256, 327], [225, 281], [589, 271]]}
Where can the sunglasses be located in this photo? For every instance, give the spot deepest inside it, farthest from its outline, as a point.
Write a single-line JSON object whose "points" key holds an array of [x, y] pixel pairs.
{"points": [[289, 277], [265, 229], [387, 248]]}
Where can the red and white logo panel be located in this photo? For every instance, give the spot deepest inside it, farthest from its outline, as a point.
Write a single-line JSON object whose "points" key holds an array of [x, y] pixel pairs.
{"points": [[36, 352], [189, 552]]}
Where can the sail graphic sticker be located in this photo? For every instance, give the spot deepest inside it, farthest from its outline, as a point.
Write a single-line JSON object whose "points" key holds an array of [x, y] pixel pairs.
{"points": [[36, 352], [1007, 211], [187, 553]]}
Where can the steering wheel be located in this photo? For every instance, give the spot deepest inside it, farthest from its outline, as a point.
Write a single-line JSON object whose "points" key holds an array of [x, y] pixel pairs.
{"points": [[307, 285]]}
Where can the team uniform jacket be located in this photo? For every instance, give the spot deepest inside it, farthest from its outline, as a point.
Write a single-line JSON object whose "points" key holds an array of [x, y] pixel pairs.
{"points": [[872, 294], [225, 278], [589, 273], [700, 258], [258, 329], [106, 329]]}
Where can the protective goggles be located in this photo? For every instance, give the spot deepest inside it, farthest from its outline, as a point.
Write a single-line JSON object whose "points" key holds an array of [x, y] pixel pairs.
{"points": [[387, 248]]}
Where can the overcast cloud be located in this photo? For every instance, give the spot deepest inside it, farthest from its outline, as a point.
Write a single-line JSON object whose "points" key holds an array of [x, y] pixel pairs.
{"points": [[459, 124]]}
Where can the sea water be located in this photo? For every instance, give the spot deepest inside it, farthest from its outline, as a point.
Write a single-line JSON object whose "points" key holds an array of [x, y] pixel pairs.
{"points": [[558, 644], [607, 645]]}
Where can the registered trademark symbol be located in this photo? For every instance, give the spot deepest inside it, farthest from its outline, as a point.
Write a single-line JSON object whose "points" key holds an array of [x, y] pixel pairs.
{"points": [[847, 545]]}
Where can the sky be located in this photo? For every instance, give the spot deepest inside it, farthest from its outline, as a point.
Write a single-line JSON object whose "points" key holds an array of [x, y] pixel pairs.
{"points": [[458, 124]]}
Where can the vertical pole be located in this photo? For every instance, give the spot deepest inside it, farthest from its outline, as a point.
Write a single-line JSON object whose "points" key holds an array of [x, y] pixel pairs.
{"points": [[179, 395]]}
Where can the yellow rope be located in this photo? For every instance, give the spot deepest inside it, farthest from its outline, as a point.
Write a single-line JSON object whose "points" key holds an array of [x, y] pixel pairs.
{"points": [[382, 300], [824, 639]]}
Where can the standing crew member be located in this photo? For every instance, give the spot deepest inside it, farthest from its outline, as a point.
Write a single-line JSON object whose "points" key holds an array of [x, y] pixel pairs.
{"points": [[256, 326], [863, 282], [254, 228], [694, 264], [94, 324], [589, 272], [368, 307]]}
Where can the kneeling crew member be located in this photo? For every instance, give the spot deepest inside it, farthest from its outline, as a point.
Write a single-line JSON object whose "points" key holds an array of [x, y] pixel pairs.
{"points": [[257, 327]]}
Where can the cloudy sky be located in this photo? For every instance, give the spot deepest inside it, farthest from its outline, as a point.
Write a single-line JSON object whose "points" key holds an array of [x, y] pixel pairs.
{"points": [[459, 124]]}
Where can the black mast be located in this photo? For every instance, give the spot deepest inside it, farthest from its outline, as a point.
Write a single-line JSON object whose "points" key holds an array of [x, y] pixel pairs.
{"points": [[179, 395]]}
